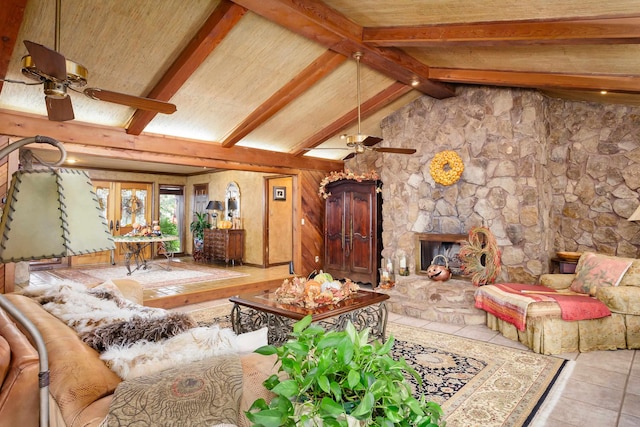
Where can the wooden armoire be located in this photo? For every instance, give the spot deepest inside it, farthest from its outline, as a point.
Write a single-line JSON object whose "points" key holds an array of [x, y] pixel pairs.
{"points": [[353, 231]]}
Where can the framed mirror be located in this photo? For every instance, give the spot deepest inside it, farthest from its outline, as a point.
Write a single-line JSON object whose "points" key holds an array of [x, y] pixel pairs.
{"points": [[232, 201]]}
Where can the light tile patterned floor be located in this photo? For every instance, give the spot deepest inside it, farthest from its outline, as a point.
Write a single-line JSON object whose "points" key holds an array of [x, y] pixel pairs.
{"points": [[603, 389]]}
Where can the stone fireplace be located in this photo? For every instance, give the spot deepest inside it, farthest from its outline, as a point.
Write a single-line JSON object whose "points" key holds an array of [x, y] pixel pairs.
{"points": [[543, 174]]}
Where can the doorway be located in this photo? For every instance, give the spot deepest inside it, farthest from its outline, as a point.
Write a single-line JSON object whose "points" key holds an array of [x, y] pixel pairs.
{"points": [[123, 204], [278, 221], [172, 216]]}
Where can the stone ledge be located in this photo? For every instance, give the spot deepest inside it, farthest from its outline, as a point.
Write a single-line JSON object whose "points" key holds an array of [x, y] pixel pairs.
{"points": [[449, 302]]}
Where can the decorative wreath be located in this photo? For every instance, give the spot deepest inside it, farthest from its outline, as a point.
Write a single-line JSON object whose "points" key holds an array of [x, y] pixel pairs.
{"points": [[446, 167], [480, 256]]}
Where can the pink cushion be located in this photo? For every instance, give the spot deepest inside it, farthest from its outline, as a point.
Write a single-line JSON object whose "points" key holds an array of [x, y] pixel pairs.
{"points": [[597, 270]]}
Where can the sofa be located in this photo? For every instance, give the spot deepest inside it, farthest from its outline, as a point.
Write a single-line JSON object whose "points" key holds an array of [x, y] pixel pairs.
{"points": [[596, 308], [83, 389]]}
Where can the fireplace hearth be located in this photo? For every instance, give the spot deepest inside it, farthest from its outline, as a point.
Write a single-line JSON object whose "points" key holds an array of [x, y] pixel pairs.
{"points": [[431, 245]]}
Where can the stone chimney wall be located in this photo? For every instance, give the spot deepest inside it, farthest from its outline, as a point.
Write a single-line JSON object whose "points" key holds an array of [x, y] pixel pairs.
{"points": [[501, 136], [544, 175]]}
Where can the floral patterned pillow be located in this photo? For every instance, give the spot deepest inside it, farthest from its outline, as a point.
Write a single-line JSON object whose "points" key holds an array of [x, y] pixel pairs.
{"points": [[595, 270]]}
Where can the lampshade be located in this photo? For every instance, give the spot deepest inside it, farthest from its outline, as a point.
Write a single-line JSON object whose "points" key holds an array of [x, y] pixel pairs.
{"points": [[210, 205], [233, 204], [636, 215], [50, 214], [218, 206]]}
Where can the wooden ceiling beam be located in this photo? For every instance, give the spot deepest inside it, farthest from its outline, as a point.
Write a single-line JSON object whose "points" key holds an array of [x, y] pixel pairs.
{"points": [[207, 38], [593, 82], [169, 159], [318, 22], [24, 125], [617, 30], [317, 70], [367, 108], [11, 14]]}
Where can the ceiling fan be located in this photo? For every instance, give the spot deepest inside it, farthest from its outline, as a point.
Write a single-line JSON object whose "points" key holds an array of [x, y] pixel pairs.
{"points": [[58, 74], [361, 143]]}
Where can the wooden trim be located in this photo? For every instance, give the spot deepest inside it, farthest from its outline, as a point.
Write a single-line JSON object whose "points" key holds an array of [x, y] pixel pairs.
{"points": [[594, 82], [114, 142], [618, 30]]}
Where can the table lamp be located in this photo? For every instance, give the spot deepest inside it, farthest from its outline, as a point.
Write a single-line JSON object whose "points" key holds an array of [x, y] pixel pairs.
{"points": [[49, 213]]}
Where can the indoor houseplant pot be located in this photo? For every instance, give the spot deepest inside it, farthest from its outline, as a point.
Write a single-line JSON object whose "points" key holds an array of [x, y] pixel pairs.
{"points": [[331, 378], [197, 227]]}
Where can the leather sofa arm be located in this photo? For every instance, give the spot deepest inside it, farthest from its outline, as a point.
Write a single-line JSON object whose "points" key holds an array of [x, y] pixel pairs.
{"points": [[620, 299], [557, 281]]}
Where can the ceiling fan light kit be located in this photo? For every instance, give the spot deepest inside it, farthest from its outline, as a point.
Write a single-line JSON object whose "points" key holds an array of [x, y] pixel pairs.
{"points": [[58, 74]]}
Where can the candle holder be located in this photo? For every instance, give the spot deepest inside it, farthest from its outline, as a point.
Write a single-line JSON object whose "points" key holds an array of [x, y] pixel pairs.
{"points": [[403, 268], [387, 279]]}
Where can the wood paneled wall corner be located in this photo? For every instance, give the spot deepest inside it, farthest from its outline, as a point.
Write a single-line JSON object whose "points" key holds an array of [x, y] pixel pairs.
{"points": [[312, 242]]}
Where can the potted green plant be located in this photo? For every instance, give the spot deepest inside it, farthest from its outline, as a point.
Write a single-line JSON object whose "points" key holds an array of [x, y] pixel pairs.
{"points": [[339, 378], [197, 227]]}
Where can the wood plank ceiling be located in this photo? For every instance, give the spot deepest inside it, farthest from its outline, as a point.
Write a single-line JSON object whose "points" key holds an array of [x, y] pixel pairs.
{"points": [[260, 83]]}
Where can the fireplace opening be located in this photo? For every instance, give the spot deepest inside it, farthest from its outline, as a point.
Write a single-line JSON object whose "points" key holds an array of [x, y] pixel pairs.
{"points": [[431, 245]]}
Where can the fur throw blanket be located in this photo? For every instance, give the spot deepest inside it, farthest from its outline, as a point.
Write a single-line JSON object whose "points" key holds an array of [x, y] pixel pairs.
{"points": [[134, 340], [146, 357]]}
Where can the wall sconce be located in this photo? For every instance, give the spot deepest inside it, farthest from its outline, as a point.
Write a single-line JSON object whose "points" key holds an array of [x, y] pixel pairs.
{"points": [[48, 214], [635, 216]]}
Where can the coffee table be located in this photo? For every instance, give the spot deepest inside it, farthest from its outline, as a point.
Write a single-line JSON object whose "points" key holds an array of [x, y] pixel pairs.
{"points": [[364, 309]]}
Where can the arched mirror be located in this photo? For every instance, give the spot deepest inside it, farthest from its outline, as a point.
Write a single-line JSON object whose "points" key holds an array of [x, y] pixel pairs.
{"points": [[232, 201]]}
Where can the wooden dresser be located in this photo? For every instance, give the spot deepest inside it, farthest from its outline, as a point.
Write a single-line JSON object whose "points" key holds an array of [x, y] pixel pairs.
{"points": [[224, 245]]}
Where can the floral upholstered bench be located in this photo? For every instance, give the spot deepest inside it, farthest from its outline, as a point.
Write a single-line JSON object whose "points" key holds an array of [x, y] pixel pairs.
{"points": [[597, 308]]}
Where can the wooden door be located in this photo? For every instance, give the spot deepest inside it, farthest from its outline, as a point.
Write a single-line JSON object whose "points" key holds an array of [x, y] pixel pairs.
{"points": [[123, 204], [361, 251], [336, 255]]}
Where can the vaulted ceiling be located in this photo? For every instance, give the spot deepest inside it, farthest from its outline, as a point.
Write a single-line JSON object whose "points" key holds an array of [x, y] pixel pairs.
{"points": [[271, 84]]}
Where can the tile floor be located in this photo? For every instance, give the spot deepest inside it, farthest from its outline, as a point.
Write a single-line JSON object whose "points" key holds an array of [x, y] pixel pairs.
{"points": [[603, 389]]}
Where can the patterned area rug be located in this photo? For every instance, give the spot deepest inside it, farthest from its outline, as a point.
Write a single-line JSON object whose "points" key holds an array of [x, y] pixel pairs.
{"points": [[155, 276], [477, 383]]}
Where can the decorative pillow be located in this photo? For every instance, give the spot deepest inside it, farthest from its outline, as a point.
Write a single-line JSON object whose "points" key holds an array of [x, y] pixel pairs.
{"points": [[596, 270]]}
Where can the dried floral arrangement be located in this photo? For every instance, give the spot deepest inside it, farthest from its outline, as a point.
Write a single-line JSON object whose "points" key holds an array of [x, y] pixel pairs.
{"points": [[311, 293], [346, 174]]}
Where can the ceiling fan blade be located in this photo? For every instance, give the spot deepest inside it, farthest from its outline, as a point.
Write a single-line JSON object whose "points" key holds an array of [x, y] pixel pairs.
{"points": [[395, 150], [48, 61], [349, 156], [130, 100], [59, 109], [371, 140]]}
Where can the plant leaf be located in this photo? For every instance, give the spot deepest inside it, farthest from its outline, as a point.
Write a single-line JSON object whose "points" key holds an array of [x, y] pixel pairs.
{"points": [[266, 350], [323, 382], [300, 325], [288, 388], [266, 418], [363, 410], [329, 407], [353, 378]]}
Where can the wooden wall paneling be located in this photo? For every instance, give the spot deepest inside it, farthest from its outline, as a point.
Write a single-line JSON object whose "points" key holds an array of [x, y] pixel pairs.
{"points": [[312, 243]]}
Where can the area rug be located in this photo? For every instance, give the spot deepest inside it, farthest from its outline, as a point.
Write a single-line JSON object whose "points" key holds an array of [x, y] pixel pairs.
{"points": [[155, 276], [476, 383]]}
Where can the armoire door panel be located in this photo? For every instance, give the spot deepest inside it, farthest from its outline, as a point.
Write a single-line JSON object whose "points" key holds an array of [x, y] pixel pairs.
{"points": [[353, 233]]}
